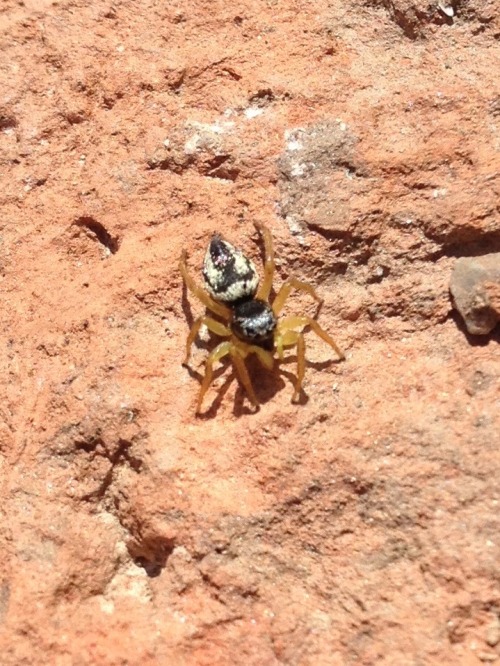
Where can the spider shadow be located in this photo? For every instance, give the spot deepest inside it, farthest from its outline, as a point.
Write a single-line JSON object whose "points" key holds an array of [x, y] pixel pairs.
{"points": [[292, 377], [186, 305], [266, 384], [221, 391]]}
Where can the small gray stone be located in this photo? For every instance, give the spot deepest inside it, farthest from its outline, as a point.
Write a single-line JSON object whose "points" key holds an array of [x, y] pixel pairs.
{"points": [[475, 287]]}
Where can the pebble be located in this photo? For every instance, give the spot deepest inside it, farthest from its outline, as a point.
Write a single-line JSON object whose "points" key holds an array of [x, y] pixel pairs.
{"points": [[475, 287]]}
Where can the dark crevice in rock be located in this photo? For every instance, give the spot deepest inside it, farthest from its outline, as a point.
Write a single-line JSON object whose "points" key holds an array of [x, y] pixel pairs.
{"points": [[485, 244], [218, 167], [151, 554], [7, 121], [262, 97], [99, 232]]}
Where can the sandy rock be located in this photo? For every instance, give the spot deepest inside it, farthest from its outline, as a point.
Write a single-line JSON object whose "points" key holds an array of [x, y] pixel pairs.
{"points": [[358, 527], [315, 159], [475, 287]]}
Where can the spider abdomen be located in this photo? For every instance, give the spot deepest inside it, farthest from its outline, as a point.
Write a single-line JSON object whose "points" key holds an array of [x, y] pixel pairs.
{"points": [[254, 321], [229, 275]]}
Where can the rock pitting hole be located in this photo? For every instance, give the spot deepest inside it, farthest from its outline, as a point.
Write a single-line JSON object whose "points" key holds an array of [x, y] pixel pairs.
{"points": [[99, 231]]}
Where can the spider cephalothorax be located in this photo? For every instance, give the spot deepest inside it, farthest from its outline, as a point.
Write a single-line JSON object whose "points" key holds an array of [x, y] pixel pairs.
{"points": [[252, 324], [254, 321]]}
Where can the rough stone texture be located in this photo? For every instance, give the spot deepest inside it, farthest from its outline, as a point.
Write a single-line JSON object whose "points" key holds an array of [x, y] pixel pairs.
{"points": [[475, 287], [358, 528]]}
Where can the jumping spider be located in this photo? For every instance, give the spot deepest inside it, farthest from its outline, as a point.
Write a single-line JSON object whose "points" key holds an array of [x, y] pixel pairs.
{"points": [[252, 325]]}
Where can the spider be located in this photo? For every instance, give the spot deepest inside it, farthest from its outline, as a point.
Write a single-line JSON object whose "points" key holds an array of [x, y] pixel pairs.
{"points": [[252, 324]]}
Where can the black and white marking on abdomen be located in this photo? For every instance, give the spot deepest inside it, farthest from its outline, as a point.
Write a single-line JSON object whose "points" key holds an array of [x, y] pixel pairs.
{"points": [[229, 275]]}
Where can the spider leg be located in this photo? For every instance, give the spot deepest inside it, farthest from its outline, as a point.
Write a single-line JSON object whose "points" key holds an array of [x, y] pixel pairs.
{"points": [[284, 337], [269, 265], [212, 325], [286, 288], [301, 365], [200, 293], [265, 357], [294, 322], [289, 338], [243, 375], [221, 350]]}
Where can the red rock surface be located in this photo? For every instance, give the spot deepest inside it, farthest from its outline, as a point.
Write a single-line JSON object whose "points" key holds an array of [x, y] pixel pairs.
{"points": [[360, 527]]}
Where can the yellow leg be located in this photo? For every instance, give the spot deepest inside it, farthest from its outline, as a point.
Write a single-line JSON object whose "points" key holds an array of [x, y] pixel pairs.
{"points": [[284, 338], [212, 325], [221, 350], [294, 322], [278, 341], [265, 357], [287, 338], [244, 378], [301, 366], [286, 288], [200, 293], [269, 265]]}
